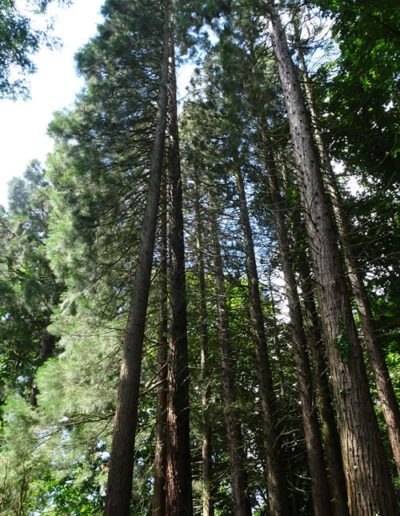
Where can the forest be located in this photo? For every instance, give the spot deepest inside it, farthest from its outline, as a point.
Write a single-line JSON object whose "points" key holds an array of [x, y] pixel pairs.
{"points": [[200, 289]]}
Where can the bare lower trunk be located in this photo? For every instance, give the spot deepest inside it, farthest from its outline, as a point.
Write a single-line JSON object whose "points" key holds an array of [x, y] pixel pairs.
{"points": [[119, 485], [206, 449], [162, 366], [384, 386], [277, 492], [232, 417], [387, 397], [315, 455], [368, 481], [179, 476], [329, 432]]}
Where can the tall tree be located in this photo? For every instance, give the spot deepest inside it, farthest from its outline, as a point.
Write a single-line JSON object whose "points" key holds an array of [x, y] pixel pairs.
{"points": [[315, 453], [387, 396], [162, 366], [329, 431], [179, 477], [277, 495], [364, 464], [85, 220], [206, 450], [231, 413], [119, 483], [30, 291]]}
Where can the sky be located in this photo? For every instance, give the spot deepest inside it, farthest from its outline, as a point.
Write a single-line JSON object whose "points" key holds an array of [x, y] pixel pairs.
{"points": [[23, 124]]}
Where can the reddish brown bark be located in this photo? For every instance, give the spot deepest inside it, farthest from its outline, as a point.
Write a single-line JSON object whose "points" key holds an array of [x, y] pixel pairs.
{"points": [[206, 449], [368, 481], [178, 474], [315, 455], [119, 485], [158, 508], [330, 435], [231, 413], [276, 482], [387, 396], [329, 432]]}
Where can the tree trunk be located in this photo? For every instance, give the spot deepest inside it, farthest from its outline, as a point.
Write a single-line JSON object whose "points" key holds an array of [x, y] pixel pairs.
{"points": [[328, 423], [368, 481], [179, 476], [315, 455], [329, 432], [162, 366], [277, 492], [387, 396], [119, 485], [206, 449], [232, 417]]}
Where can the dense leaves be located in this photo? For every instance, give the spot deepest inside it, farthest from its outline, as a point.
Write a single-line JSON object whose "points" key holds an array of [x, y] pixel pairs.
{"points": [[70, 241]]}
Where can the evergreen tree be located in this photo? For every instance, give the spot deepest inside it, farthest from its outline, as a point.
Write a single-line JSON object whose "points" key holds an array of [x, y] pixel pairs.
{"points": [[177, 325]]}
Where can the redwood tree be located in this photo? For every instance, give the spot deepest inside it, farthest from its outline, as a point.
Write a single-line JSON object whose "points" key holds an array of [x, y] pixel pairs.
{"points": [[178, 475], [119, 483], [368, 481]]}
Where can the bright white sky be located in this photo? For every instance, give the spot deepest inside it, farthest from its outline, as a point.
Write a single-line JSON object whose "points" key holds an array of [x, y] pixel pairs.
{"points": [[23, 125]]}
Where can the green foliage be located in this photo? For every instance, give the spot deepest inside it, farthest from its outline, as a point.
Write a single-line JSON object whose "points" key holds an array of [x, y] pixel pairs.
{"points": [[33, 478], [103, 149], [65, 496], [69, 244], [20, 461], [363, 91], [342, 342], [19, 41], [98, 187], [29, 291]]}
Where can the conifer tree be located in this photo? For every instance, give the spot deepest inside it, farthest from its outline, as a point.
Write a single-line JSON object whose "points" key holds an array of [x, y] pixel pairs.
{"points": [[30, 289], [159, 499], [232, 415], [121, 464], [387, 396], [242, 224], [178, 477], [206, 451], [344, 352]]}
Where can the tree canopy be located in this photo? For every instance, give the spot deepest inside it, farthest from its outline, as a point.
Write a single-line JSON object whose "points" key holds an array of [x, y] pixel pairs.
{"points": [[200, 295]]}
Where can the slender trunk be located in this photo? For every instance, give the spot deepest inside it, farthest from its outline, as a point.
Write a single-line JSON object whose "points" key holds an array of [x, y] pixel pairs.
{"points": [[315, 455], [119, 485], [22, 496], [206, 449], [162, 366], [277, 493], [179, 476], [232, 417], [387, 396], [329, 432], [368, 481]]}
